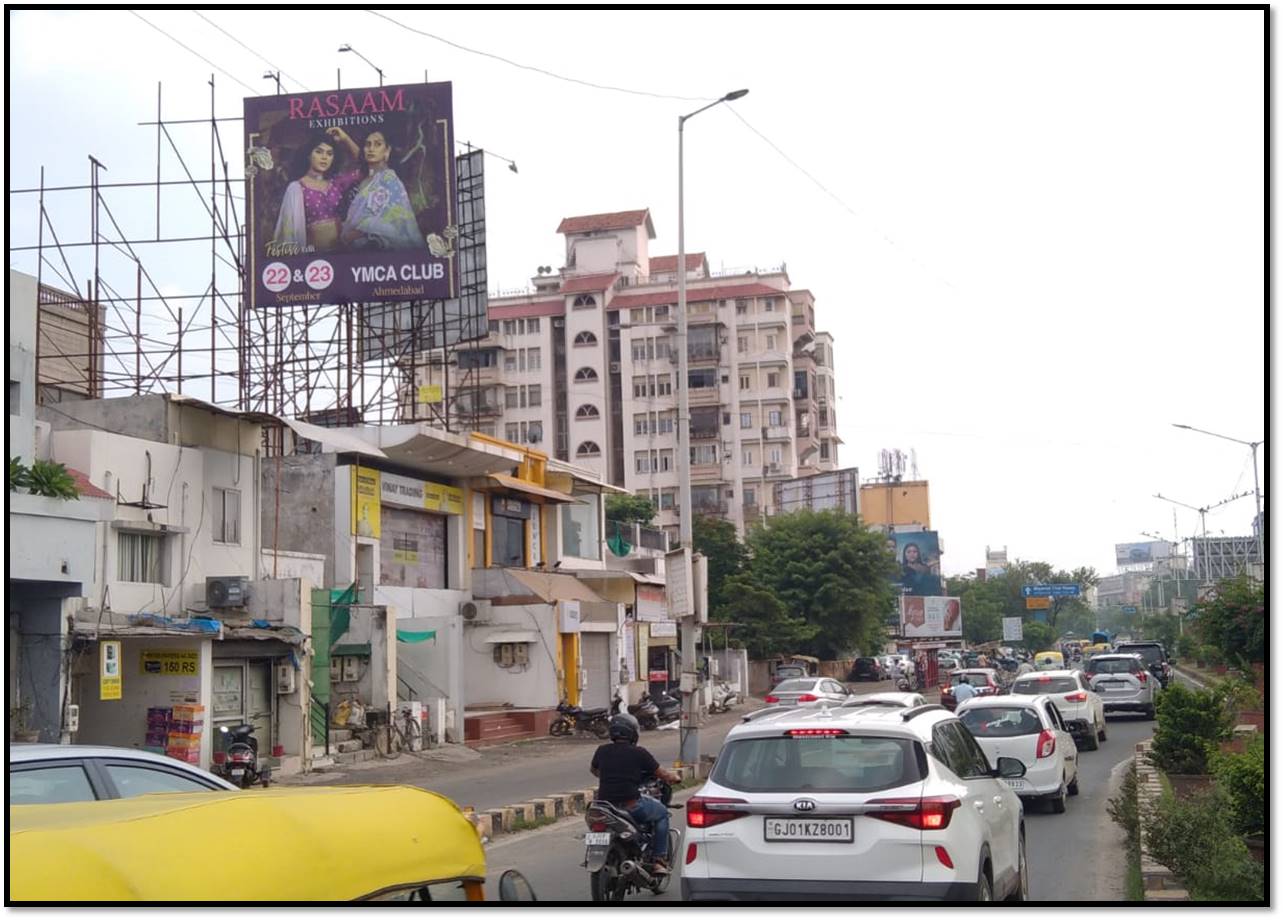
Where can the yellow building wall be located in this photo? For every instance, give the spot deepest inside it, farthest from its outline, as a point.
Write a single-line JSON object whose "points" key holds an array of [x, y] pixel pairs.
{"points": [[896, 503]]}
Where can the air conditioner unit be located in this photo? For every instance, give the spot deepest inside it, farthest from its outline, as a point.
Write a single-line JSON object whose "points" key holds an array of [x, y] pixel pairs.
{"points": [[473, 610], [226, 591], [774, 467]]}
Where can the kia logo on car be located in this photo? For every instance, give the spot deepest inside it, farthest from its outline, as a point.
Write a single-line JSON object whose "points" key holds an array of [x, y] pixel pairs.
{"points": [[804, 805]]}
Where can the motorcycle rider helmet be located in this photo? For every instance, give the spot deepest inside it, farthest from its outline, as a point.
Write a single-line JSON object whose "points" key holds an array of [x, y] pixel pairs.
{"points": [[624, 727]]}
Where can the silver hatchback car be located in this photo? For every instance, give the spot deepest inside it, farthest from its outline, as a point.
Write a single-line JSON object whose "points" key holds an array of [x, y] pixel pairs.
{"points": [[1123, 683]]}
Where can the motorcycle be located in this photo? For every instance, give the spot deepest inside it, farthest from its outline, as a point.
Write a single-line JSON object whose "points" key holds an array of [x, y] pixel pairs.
{"points": [[723, 697], [903, 684], [669, 709], [617, 849], [644, 710], [574, 719], [238, 762]]}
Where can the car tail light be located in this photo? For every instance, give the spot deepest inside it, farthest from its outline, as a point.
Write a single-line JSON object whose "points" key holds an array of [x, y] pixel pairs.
{"points": [[772, 699], [943, 855], [1046, 744], [690, 853], [1144, 678], [929, 813], [220, 757], [946, 689], [807, 698], [708, 811], [1080, 697], [815, 732]]}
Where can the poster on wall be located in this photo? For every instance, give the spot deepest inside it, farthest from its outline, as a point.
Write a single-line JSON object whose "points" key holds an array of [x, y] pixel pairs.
{"points": [[930, 617], [1013, 629], [652, 605], [628, 657], [365, 502], [109, 675], [351, 196], [170, 662], [917, 556]]}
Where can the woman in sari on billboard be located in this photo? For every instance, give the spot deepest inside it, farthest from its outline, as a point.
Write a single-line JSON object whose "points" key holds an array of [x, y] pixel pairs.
{"points": [[309, 215], [380, 215], [916, 574]]}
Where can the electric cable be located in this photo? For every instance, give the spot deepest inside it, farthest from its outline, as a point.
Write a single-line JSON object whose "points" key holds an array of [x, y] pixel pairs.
{"points": [[197, 53], [251, 50]]}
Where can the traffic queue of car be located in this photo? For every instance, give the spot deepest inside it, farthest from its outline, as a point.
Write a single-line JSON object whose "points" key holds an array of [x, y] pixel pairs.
{"points": [[828, 794]]}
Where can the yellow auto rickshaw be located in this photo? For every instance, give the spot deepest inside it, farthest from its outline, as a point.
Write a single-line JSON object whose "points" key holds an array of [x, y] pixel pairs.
{"points": [[1100, 648], [1049, 661], [330, 843]]}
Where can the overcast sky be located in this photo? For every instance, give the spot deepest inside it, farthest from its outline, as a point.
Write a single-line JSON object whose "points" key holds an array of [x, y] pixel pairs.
{"points": [[1042, 239]]}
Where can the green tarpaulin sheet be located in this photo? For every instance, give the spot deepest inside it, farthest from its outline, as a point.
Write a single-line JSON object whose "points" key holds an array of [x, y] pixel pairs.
{"points": [[405, 635]]}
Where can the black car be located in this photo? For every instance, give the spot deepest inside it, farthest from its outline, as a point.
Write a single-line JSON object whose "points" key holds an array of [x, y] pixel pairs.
{"points": [[866, 669], [1154, 656]]}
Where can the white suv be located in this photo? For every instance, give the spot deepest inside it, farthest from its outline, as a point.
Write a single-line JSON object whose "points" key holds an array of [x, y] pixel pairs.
{"points": [[855, 804], [1029, 728]]}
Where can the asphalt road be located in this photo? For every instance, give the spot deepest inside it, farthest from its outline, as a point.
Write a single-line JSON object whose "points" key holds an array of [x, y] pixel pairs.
{"points": [[1074, 856]]}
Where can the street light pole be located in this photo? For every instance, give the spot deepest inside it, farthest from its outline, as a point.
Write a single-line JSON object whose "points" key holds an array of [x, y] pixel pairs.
{"points": [[1256, 480], [689, 753], [366, 59]]}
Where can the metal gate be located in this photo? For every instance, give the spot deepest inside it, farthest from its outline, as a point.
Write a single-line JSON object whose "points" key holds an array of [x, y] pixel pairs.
{"points": [[596, 658]]}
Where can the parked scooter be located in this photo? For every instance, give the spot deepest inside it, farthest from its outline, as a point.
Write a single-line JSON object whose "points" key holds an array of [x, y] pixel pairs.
{"points": [[669, 709], [575, 719], [644, 710], [723, 697], [239, 763], [617, 850]]}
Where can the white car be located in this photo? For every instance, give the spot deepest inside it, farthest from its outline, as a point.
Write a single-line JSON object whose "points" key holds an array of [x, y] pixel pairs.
{"points": [[805, 690], [855, 803], [46, 774], [1075, 699], [1028, 728], [894, 700]]}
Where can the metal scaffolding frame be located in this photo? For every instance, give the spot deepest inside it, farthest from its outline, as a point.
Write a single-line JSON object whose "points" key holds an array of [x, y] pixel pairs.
{"points": [[332, 364]]}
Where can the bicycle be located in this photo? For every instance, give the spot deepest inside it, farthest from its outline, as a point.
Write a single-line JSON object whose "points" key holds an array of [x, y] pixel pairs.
{"points": [[401, 733]]}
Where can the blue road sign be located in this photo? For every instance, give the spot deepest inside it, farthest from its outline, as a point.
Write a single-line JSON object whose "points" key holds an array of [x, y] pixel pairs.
{"points": [[1129, 609], [1050, 590]]}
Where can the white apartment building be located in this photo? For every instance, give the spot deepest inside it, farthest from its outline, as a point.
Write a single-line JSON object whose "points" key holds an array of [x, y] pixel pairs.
{"points": [[584, 367]]}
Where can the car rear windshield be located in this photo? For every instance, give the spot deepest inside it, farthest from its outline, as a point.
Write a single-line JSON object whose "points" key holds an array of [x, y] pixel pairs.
{"points": [[1032, 687], [798, 685], [841, 763], [974, 677], [1001, 721], [1152, 654], [1111, 666], [789, 672]]}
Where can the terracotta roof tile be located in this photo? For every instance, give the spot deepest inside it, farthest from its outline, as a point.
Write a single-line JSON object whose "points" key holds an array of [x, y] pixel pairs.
{"points": [[618, 220], [694, 295], [586, 283], [538, 308], [87, 488], [669, 263]]}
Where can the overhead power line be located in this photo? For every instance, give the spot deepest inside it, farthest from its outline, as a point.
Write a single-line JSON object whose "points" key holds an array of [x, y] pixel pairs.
{"points": [[539, 70], [250, 50], [197, 53]]}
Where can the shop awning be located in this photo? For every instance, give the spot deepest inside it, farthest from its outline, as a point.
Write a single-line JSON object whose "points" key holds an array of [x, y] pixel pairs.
{"points": [[536, 493], [516, 635]]}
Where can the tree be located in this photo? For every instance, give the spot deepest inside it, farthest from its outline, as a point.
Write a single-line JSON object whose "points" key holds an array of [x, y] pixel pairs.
{"points": [[1234, 621], [830, 570], [1038, 636], [630, 509], [984, 604], [716, 539], [768, 628]]}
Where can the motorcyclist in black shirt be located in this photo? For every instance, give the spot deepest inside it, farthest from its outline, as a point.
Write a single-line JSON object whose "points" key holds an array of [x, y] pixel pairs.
{"points": [[621, 766]]}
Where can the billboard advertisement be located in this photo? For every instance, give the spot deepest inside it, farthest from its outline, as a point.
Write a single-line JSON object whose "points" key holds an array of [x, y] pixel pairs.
{"points": [[1142, 553], [351, 196], [930, 617], [918, 558], [995, 562]]}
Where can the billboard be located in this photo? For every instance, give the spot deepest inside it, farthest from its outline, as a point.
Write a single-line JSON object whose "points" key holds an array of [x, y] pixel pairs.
{"points": [[1142, 553], [351, 196], [824, 491], [995, 562], [918, 558], [1013, 629], [930, 617]]}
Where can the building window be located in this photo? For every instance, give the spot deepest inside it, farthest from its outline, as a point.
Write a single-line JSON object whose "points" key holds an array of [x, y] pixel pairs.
{"points": [[588, 449], [742, 345], [511, 432], [770, 343], [745, 382], [580, 528], [536, 396], [511, 397], [775, 418], [703, 454], [666, 420], [772, 380], [532, 325], [536, 432], [824, 450], [586, 412], [585, 375], [510, 361], [770, 305], [741, 307], [665, 461], [702, 378], [494, 326], [776, 456], [641, 461], [663, 385], [584, 302], [509, 327], [746, 420], [667, 499], [748, 458], [661, 349], [139, 557], [585, 338], [534, 360], [750, 498], [227, 516]]}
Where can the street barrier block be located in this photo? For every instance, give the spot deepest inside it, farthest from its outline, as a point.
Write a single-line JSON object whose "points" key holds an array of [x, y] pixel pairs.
{"points": [[482, 824], [525, 811], [544, 808], [501, 820], [565, 804]]}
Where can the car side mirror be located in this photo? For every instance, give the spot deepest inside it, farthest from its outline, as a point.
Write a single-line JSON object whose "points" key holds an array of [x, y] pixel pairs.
{"points": [[1010, 768], [513, 886]]}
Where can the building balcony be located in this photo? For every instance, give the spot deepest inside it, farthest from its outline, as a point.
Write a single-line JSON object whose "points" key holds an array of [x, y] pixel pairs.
{"points": [[704, 434], [706, 472], [712, 509], [706, 396], [778, 433]]}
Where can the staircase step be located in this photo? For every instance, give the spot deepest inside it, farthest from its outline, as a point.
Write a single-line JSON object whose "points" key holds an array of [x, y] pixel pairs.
{"points": [[347, 747], [340, 734]]}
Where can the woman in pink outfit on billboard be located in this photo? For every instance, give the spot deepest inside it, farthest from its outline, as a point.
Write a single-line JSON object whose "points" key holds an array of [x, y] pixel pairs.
{"points": [[309, 217]]}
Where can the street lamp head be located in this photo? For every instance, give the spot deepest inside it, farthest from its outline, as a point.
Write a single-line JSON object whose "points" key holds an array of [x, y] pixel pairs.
{"points": [[1177, 425], [512, 166], [345, 47], [735, 94]]}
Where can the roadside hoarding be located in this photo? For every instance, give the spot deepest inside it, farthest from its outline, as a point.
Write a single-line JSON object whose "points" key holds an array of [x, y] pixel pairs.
{"points": [[1037, 603], [917, 556], [1142, 553], [1013, 629], [836, 489], [351, 196], [930, 617]]}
